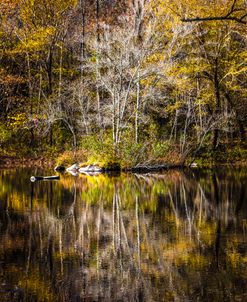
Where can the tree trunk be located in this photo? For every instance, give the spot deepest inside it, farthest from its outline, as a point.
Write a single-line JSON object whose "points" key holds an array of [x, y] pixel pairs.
{"points": [[217, 108], [60, 71], [239, 122], [49, 71], [30, 94], [137, 110], [83, 12], [50, 88], [97, 20], [100, 121]]}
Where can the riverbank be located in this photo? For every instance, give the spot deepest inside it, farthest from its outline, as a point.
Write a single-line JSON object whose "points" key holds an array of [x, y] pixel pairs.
{"points": [[14, 161]]}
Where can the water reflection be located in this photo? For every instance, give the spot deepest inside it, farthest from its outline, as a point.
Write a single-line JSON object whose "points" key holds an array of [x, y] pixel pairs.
{"points": [[177, 236]]}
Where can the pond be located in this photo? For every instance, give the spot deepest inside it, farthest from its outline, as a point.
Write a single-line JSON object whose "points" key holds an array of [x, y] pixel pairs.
{"points": [[180, 235]]}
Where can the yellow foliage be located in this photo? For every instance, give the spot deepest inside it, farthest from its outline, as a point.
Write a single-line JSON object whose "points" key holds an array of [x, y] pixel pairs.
{"points": [[17, 121], [37, 40]]}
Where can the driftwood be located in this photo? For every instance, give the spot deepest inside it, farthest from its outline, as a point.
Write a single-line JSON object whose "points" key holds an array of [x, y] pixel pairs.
{"points": [[90, 169], [153, 168], [36, 178]]}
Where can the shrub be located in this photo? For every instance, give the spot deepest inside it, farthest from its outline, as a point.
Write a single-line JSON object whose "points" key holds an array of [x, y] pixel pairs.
{"points": [[5, 134], [68, 158]]}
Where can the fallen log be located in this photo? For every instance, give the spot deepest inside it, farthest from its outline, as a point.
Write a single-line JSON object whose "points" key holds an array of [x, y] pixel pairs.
{"points": [[36, 178]]}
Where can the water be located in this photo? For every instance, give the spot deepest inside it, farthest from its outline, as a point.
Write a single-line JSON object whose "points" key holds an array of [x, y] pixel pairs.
{"points": [[175, 236]]}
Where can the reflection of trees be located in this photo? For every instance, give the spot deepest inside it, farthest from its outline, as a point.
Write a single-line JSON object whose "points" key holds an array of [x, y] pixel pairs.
{"points": [[164, 237]]}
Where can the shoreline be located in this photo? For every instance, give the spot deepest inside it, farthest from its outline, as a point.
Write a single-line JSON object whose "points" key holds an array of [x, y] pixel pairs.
{"points": [[7, 162], [16, 162]]}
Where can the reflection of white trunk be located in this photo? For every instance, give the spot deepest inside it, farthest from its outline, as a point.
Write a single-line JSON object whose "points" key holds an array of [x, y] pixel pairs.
{"points": [[72, 208], [60, 231], [125, 237], [173, 208], [81, 234], [138, 235], [29, 243], [113, 223], [40, 237], [98, 225], [118, 223], [187, 210]]}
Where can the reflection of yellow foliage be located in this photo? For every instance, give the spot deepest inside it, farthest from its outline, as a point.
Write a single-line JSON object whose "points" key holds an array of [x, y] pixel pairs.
{"points": [[194, 259], [180, 252], [234, 258], [68, 254], [244, 224], [18, 202], [38, 287], [8, 243], [207, 232]]}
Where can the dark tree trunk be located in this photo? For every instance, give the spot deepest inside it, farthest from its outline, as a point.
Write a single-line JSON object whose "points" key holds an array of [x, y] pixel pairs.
{"points": [[50, 86], [239, 121], [51, 136], [97, 20], [83, 12], [218, 232], [49, 71]]}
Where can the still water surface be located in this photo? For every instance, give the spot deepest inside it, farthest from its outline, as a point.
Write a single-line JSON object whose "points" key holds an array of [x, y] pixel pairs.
{"points": [[175, 236]]}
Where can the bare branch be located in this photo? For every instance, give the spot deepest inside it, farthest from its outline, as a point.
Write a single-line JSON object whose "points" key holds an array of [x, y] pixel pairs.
{"points": [[227, 17], [224, 18], [232, 8]]}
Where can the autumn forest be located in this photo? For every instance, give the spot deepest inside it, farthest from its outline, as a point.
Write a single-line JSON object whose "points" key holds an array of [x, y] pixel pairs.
{"points": [[140, 107], [136, 81]]}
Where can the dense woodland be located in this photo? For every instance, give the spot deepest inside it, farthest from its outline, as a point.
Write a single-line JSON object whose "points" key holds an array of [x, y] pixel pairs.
{"points": [[136, 81]]}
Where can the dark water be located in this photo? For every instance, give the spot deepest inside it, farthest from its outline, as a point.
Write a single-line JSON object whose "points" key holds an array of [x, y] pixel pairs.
{"points": [[176, 236]]}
